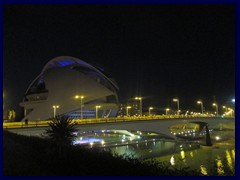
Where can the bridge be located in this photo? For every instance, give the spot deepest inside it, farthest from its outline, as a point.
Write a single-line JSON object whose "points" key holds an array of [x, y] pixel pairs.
{"points": [[153, 125]]}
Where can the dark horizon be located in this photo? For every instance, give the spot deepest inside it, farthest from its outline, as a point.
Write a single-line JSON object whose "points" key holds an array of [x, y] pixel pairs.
{"points": [[159, 52]]}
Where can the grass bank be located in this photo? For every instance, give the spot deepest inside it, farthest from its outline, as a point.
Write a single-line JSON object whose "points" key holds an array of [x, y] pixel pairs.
{"points": [[32, 156]]}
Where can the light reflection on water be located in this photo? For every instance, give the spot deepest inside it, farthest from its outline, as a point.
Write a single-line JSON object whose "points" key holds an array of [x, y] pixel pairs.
{"points": [[229, 160], [209, 160], [177, 153], [203, 170], [220, 168]]}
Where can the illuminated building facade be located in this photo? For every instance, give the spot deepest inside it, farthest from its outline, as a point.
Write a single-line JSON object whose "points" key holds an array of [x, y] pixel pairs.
{"points": [[61, 80]]}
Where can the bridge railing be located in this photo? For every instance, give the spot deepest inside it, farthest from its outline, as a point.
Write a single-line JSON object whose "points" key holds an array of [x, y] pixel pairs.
{"points": [[38, 123]]}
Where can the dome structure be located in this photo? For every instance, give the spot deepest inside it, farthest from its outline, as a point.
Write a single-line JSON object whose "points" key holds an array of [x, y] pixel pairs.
{"points": [[62, 80]]}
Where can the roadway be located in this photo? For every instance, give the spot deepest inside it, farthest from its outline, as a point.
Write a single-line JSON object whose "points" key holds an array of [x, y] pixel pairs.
{"points": [[153, 125]]}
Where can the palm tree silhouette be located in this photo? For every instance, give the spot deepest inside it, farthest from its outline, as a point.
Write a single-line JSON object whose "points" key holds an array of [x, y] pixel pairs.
{"points": [[61, 132]]}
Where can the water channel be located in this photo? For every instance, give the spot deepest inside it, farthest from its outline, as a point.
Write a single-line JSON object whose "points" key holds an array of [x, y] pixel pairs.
{"points": [[193, 153]]}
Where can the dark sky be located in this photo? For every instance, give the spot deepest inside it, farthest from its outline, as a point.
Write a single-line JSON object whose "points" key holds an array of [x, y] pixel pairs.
{"points": [[159, 52]]}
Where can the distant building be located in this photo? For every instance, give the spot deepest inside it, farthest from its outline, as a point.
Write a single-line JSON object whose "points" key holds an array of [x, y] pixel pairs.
{"points": [[60, 81], [132, 110]]}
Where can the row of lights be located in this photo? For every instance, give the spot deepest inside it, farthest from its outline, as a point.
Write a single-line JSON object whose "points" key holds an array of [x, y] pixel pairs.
{"points": [[178, 109], [140, 100], [55, 107]]}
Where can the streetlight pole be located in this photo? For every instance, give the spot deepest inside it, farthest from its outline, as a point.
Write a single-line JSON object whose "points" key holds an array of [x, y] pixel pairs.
{"points": [[97, 111], [200, 102], [167, 110], [149, 110], [128, 107], [81, 108], [177, 100], [140, 99], [55, 107], [215, 104], [25, 112]]}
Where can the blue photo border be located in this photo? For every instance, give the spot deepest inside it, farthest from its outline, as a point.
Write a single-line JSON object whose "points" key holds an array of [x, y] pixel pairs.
{"points": [[237, 62]]}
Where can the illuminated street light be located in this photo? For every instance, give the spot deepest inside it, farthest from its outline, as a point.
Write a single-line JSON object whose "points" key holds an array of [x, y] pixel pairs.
{"points": [[55, 107], [140, 99], [177, 100], [200, 102], [81, 97], [97, 107], [128, 107], [214, 104], [225, 107], [167, 110], [149, 110], [233, 100]]}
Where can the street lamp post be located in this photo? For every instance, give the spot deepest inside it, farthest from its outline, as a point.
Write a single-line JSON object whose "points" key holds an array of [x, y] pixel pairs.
{"points": [[149, 110], [200, 102], [128, 107], [81, 98], [55, 107], [167, 110], [225, 107], [215, 104], [177, 100], [140, 99], [25, 112], [97, 111]]}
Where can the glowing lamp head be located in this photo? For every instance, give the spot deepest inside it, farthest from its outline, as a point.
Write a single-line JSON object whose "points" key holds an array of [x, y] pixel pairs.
{"points": [[138, 98], [77, 97]]}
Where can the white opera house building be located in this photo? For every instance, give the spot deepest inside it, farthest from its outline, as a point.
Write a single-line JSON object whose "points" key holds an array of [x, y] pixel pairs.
{"points": [[70, 86]]}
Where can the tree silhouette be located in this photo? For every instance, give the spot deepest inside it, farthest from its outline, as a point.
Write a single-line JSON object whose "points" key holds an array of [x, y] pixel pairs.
{"points": [[61, 131]]}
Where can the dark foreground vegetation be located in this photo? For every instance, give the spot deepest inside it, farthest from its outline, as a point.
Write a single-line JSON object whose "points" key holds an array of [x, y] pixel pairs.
{"points": [[30, 156], [55, 156]]}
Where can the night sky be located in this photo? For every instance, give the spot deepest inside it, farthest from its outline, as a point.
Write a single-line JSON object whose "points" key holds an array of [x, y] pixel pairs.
{"points": [[159, 52]]}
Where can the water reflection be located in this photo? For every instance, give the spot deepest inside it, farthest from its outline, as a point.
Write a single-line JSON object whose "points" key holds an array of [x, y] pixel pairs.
{"points": [[206, 159], [229, 160], [191, 154], [203, 170], [172, 160], [220, 168], [148, 145], [182, 155], [233, 154]]}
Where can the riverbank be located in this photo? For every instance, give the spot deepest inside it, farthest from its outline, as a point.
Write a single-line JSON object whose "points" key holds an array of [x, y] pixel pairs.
{"points": [[32, 156]]}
